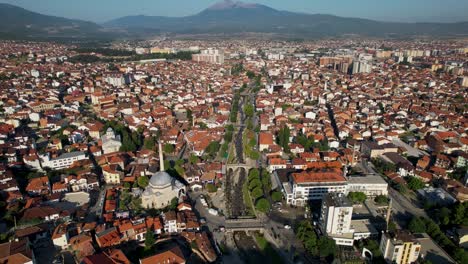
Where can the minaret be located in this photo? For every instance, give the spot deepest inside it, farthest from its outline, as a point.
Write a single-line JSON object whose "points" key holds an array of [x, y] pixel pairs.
{"points": [[161, 158]]}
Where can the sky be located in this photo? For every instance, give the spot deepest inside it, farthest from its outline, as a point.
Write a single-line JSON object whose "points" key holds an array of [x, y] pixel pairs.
{"points": [[383, 10]]}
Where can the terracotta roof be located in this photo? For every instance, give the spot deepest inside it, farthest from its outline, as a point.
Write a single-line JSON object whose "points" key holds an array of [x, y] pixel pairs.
{"points": [[171, 256], [305, 177]]}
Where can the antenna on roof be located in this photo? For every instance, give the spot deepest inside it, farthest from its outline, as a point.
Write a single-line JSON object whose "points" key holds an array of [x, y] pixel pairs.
{"points": [[161, 157]]}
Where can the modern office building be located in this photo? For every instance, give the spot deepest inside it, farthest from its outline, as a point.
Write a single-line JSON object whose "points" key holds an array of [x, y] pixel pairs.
{"points": [[310, 185]]}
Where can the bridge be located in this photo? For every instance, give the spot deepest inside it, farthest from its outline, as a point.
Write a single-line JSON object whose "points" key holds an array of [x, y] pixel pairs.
{"points": [[233, 225], [238, 165]]}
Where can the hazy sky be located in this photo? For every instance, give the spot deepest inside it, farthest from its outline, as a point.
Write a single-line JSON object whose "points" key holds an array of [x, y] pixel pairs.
{"points": [[388, 10]]}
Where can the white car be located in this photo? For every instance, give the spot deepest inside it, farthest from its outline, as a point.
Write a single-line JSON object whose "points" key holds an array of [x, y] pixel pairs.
{"points": [[287, 227]]}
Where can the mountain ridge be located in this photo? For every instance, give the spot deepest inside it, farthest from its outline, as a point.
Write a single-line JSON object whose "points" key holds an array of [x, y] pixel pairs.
{"points": [[21, 23], [227, 18], [237, 17]]}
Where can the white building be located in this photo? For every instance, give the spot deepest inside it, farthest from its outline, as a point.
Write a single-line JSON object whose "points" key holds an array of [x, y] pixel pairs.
{"points": [[210, 55], [335, 218], [63, 161], [162, 188], [110, 142], [307, 186], [60, 236], [115, 79], [400, 247], [371, 185], [362, 67]]}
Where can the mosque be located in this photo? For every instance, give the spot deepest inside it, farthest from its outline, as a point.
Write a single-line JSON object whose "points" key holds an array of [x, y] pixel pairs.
{"points": [[162, 188]]}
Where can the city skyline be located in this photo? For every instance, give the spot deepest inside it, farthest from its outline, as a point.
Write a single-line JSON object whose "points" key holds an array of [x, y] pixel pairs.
{"points": [[395, 11]]}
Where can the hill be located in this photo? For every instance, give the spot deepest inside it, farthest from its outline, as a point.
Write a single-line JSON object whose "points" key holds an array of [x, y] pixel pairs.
{"points": [[238, 17], [16, 22]]}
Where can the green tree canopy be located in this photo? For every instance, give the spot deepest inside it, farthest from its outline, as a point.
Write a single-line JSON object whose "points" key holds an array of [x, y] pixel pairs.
{"points": [[193, 159], [256, 193], [211, 188], [249, 110], [254, 183], [381, 199], [168, 148], [326, 247], [213, 148], [283, 138], [262, 205], [276, 196], [415, 183], [254, 173], [149, 239], [143, 181], [416, 225], [357, 197]]}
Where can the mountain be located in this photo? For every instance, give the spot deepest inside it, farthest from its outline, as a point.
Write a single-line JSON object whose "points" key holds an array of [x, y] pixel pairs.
{"points": [[239, 17], [16, 22]]}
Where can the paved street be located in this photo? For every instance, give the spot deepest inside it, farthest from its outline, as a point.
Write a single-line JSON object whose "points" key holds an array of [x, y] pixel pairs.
{"points": [[402, 208]]}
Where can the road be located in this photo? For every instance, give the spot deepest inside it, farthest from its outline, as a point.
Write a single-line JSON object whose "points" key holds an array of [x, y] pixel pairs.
{"points": [[402, 208], [212, 221]]}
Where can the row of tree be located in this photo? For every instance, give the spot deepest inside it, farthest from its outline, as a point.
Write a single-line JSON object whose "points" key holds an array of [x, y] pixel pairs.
{"points": [[257, 184], [323, 247], [425, 225]]}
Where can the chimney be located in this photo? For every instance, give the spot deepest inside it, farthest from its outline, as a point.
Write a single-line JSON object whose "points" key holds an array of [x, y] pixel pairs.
{"points": [[161, 158]]}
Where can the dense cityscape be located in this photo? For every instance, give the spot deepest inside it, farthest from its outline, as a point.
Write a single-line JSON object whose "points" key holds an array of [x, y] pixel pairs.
{"points": [[234, 150]]}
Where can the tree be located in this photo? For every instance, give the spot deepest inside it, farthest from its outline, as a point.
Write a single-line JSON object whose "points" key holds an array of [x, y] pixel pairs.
{"points": [[416, 225], [254, 155], [213, 148], [202, 125], [276, 196], [149, 143], [174, 204], [306, 234], [381, 199], [254, 183], [263, 205], [326, 247], [443, 215], [180, 171], [249, 110], [256, 193], [266, 180], [168, 148], [211, 188], [415, 183], [254, 173], [391, 226], [193, 159], [149, 239], [250, 74], [460, 214], [357, 197], [283, 138], [143, 181], [305, 141]]}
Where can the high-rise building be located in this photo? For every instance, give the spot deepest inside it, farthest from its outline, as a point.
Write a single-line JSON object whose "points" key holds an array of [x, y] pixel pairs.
{"points": [[360, 66], [210, 56], [400, 247], [336, 214]]}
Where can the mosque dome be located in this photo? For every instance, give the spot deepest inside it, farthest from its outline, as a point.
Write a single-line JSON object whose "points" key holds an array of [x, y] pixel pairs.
{"points": [[160, 179]]}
